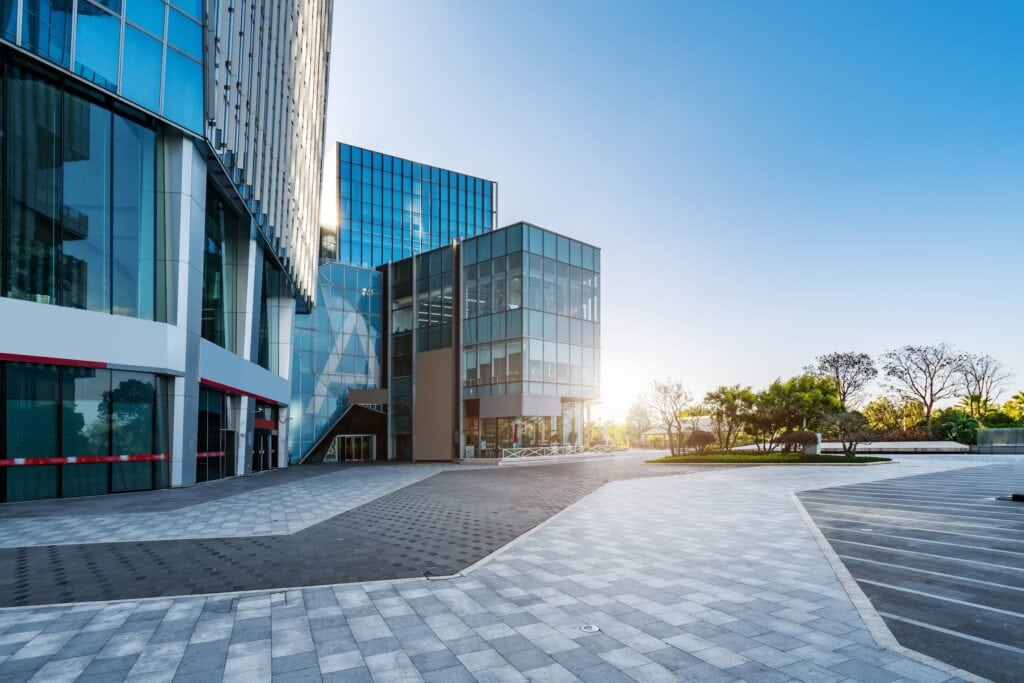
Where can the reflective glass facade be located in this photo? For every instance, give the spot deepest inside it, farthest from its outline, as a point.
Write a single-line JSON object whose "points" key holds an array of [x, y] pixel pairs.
{"points": [[531, 314], [148, 51], [337, 347], [78, 431], [392, 208], [78, 214]]}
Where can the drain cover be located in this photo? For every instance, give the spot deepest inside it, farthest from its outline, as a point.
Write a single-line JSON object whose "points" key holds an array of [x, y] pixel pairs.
{"points": [[589, 628]]}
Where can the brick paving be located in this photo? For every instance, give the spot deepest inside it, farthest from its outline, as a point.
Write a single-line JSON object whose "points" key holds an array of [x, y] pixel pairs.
{"points": [[708, 576]]}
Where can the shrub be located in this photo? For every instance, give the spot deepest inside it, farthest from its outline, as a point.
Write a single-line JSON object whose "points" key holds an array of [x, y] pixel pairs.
{"points": [[955, 425], [700, 439], [912, 434], [798, 439]]}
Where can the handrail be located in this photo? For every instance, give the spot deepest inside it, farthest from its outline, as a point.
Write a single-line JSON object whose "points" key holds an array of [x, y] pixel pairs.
{"points": [[556, 449]]}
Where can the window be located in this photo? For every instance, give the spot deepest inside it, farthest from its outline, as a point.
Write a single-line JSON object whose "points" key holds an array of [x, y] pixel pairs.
{"points": [[140, 78], [85, 238], [118, 421], [31, 407], [183, 91], [97, 41], [147, 14], [134, 228], [81, 226], [46, 29], [184, 34]]}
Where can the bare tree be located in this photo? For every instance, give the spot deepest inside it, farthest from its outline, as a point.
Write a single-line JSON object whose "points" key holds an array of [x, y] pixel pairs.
{"points": [[851, 371], [925, 374], [667, 400], [984, 378]]}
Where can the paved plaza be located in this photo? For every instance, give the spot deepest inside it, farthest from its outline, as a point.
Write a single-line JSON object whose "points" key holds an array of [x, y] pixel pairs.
{"points": [[693, 574]]}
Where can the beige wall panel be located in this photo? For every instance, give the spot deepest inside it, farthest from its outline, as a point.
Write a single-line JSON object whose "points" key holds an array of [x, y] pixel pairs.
{"points": [[433, 420]]}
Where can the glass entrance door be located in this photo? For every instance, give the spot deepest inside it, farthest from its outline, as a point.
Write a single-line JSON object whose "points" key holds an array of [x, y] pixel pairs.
{"points": [[352, 448], [263, 450]]}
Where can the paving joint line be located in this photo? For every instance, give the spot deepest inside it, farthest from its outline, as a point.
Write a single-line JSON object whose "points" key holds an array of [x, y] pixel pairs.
{"points": [[874, 622]]}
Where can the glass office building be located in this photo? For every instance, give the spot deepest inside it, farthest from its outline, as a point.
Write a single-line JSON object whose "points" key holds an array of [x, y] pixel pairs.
{"points": [[160, 174], [531, 331], [494, 343], [391, 208]]}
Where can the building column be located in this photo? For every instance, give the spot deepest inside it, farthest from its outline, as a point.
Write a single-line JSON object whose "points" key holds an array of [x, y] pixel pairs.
{"points": [[182, 199]]}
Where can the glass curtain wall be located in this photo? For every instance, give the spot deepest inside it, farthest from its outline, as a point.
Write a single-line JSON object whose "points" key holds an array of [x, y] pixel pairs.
{"points": [[220, 272], [158, 64], [336, 347], [532, 322], [74, 431], [400, 377], [391, 208], [78, 212]]}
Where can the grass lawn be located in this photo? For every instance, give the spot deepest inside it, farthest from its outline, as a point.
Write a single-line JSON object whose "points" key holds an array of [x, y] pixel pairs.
{"points": [[765, 458]]}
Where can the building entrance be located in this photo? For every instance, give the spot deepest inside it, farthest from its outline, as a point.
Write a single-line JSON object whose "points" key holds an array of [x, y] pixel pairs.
{"points": [[264, 450], [352, 448]]}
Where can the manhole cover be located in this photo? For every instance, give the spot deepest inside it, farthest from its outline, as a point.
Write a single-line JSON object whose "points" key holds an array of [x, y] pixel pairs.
{"points": [[589, 628]]}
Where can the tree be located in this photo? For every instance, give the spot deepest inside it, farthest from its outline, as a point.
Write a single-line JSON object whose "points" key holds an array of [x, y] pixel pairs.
{"points": [[728, 407], [638, 421], [1015, 406], [926, 374], [667, 400], [852, 429], [851, 372], [984, 379], [801, 402], [885, 414]]}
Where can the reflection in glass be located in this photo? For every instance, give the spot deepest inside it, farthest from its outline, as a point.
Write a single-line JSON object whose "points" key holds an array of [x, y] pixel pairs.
{"points": [[140, 77], [86, 231], [31, 414], [183, 91], [9, 19], [32, 186], [97, 42], [184, 34], [46, 29], [85, 429], [134, 219]]}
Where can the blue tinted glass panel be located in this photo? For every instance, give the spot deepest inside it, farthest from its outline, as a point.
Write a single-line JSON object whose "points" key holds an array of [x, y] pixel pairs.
{"points": [[140, 78], [193, 7], [46, 29], [184, 34], [148, 14], [9, 19], [183, 91], [112, 5], [97, 39]]}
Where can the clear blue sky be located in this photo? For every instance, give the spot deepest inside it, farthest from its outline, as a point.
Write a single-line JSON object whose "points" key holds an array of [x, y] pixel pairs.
{"points": [[769, 181]]}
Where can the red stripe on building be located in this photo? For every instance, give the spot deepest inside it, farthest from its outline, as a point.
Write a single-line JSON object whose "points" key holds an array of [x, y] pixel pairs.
{"points": [[48, 360], [209, 454], [264, 424], [83, 459], [235, 390]]}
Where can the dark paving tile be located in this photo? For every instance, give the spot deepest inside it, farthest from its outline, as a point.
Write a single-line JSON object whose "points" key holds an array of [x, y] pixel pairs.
{"points": [[437, 526]]}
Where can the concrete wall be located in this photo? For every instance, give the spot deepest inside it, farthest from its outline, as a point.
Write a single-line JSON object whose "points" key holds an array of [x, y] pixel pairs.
{"points": [[432, 418]]}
